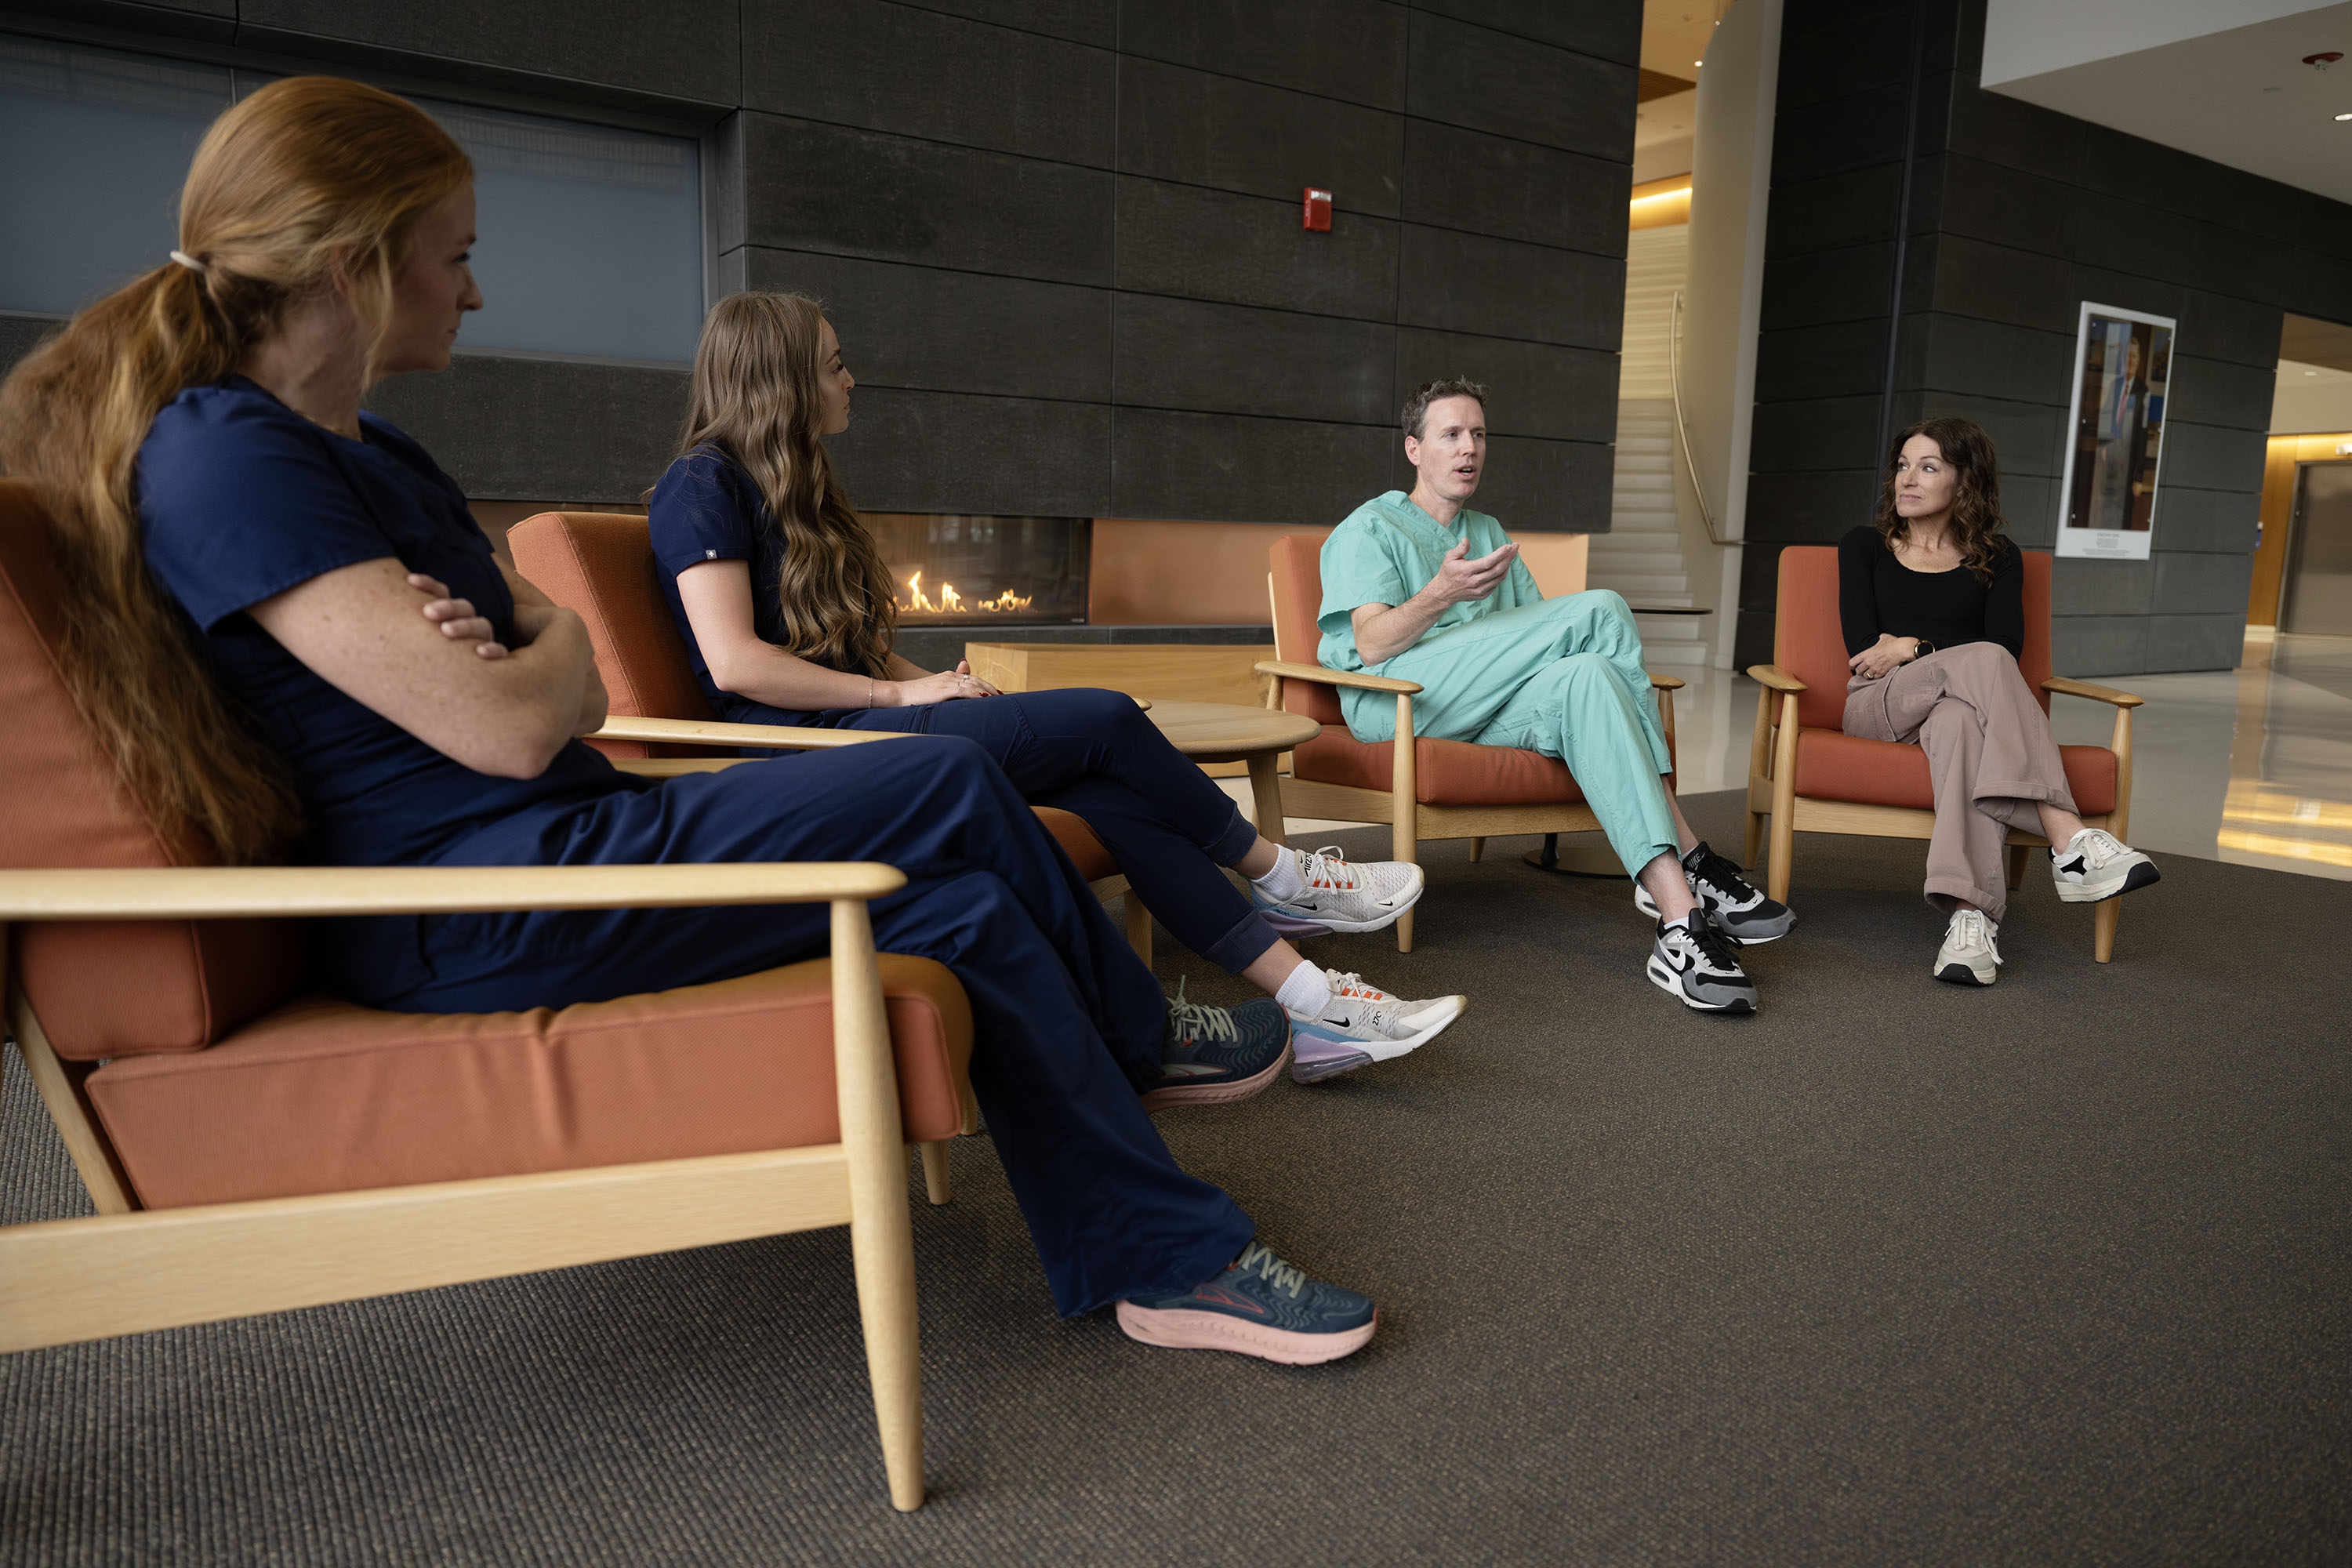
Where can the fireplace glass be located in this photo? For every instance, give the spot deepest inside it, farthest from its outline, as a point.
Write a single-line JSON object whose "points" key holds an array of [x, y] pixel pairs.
{"points": [[985, 571]]}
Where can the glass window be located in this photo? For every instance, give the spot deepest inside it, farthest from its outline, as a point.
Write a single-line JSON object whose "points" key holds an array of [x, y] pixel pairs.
{"points": [[590, 238], [94, 146]]}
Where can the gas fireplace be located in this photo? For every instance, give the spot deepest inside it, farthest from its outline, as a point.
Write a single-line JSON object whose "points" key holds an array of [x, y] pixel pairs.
{"points": [[954, 571]]}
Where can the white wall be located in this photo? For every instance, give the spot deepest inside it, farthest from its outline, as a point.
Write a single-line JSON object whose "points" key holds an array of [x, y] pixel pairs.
{"points": [[2034, 37], [2311, 400]]}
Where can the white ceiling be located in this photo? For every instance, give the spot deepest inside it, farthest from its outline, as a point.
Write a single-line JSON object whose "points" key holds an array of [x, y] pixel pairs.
{"points": [[2311, 399], [2221, 79]]}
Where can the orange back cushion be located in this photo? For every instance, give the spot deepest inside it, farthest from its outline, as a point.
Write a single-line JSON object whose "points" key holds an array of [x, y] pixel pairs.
{"points": [[601, 566], [113, 990], [1809, 642], [1297, 565]]}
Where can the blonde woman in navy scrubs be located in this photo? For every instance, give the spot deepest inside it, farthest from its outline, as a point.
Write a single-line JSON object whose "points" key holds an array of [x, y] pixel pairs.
{"points": [[297, 640], [788, 617]]}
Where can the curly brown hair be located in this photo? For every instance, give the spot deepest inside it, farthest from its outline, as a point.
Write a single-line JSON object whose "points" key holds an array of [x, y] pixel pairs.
{"points": [[1976, 522]]}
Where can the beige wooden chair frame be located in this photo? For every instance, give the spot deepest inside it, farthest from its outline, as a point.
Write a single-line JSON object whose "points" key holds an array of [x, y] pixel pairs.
{"points": [[1410, 820], [129, 1270], [1772, 794]]}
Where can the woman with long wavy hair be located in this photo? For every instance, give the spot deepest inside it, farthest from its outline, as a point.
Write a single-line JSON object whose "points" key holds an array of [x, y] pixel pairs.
{"points": [[789, 616], [1931, 598], [292, 636]]}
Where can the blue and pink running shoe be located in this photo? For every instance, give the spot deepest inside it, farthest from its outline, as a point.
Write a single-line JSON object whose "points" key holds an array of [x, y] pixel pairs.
{"points": [[1261, 1306]]}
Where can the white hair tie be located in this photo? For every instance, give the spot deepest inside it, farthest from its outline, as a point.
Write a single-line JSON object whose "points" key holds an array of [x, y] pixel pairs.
{"points": [[190, 262]]}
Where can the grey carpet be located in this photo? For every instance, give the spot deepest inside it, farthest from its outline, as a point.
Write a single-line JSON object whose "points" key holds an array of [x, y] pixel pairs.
{"points": [[1897, 1272]]}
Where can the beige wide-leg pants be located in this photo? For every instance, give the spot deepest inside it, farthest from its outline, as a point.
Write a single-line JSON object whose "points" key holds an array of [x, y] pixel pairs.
{"points": [[1989, 752]]}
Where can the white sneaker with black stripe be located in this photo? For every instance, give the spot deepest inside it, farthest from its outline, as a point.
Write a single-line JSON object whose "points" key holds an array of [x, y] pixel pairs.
{"points": [[1693, 963], [2096, 865], [1969, 956]]}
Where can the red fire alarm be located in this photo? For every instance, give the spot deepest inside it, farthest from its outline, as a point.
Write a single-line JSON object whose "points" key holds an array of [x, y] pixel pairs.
{"points": [[1318, 210]]}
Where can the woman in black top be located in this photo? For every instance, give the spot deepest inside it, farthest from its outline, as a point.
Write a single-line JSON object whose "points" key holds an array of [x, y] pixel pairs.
{"points": [[1932, 601]]}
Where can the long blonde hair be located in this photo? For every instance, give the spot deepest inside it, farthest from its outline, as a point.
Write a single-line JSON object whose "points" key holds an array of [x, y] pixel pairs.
{"points": [[309, 181], [756, 399]]}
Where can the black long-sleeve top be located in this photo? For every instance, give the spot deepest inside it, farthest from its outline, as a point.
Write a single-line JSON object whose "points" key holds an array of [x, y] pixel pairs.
{"points": [[1877, 594]]}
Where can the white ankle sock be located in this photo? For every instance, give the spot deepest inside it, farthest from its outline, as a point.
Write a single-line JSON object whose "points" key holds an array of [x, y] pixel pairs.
{"points": [[1307, 991], [1282, 881]]}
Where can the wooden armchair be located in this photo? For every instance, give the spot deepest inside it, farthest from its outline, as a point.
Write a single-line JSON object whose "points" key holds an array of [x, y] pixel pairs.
{"points": [[251, 1146], [601, 565], [1430, 789], [1805, 775]]}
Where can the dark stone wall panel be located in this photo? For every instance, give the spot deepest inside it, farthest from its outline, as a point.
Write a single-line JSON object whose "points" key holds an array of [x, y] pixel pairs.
{"points": [[1992, 359], [1808, 508], [1843, 136], [1609, 29], [860, 193], [1532, 486], [1847, 285], [2005, 206], [933, 451], [1500, 288], [2031, 501], [881, 66], [2200, 584], [1468, 75], [1242, 250], [1532, 389], [2026, 436], [1841, 359], [1230, 359], [679, 48], [918, 327], [2195, 642], [1353, 50], [19, 334], [1872, 50], [1824, 432], [2205, 457], [2220, 326], [2003, 283], [1219, 467], [2215, 392], [2088, 647], [1203, 129], [1092, 22], [1831, 213], [529, 429], [2217, 522], [1482, 184], [2080, 587]]}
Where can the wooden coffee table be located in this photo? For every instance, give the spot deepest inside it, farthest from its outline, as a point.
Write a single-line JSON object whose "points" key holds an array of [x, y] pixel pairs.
{"points": [[1227, 732]]}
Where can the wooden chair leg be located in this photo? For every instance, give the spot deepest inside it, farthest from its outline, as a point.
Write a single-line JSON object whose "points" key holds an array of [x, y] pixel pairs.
{"points": [[938, 1185], [1405, 807], [1477, 849], [1138, 925], [881, 1233], [2103, 930], [1784, 801], [1756, 820], [2017, 866]]}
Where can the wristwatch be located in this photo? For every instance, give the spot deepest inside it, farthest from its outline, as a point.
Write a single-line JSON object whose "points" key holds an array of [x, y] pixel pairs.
{"points": [[1923, 649]]}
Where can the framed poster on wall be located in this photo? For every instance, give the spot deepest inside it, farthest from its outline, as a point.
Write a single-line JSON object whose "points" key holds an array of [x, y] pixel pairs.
{"points": [[2106, 503]]}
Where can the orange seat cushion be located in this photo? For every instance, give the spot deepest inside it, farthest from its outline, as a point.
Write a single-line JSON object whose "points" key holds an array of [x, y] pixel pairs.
{"points": [[1446, 772], [320, 1096], [1833, 765], [1078, 842]]}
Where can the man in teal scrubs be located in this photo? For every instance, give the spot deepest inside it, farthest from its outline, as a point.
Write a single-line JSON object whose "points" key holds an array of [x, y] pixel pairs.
{"points": [[1419, 587]]}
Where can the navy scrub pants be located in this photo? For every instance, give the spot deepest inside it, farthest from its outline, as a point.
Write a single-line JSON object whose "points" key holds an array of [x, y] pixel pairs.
{"points": [[1068, 1023], [1097, 756]]}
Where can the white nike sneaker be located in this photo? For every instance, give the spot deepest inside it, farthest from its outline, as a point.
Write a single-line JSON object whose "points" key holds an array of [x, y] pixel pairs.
{"points": [[1969, 956], [1342, 895], [2096, 866], [1362, 1024], [1692, 961]]}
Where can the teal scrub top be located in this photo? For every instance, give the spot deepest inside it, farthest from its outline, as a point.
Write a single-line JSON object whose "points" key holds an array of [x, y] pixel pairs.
{"points": [[1387, 551]]}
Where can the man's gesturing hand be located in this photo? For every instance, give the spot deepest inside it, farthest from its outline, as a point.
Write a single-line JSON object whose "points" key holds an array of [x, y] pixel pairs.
{"points": [[1459, 580]]}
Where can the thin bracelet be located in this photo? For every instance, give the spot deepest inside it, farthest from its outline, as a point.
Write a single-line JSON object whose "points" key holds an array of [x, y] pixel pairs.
{"points": [[870, 694]]}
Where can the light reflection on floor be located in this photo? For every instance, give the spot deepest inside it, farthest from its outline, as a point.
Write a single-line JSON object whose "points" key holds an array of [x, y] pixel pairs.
{"points": [[2251, 765]]}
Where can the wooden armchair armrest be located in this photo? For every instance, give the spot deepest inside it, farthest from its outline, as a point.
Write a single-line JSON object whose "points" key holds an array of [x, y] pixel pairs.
{"points": [[1316, 672], [1778, 679], [2065, 687], [202, 892], [713, 733], [1664, 682]]}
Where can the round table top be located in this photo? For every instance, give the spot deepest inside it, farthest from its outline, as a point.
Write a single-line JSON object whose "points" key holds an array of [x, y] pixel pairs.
{"points": [[1226, 731]]}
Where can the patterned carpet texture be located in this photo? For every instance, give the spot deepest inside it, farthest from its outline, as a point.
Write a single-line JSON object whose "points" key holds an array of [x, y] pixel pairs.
{"points": [[1892, 1273]]}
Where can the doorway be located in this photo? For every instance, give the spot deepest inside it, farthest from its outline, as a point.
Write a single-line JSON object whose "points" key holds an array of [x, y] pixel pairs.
{"points": [[2317, 599]]}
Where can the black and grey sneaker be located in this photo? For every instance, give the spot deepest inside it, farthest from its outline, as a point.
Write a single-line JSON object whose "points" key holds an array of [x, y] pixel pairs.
{"points": [[1693, 962], [1261, 1306], [2096, 865], [1215, 1056], [1737, 908]]}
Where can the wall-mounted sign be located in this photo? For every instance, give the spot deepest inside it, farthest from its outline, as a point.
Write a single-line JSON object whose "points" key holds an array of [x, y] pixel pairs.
{"points": [[2123, 362]]}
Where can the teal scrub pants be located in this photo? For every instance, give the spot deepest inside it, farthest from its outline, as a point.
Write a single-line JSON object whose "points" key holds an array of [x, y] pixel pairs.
{"points": [[1563, 677]]}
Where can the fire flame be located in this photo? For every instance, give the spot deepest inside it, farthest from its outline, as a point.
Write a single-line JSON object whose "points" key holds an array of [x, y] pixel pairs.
{"points": [[950, 602]]}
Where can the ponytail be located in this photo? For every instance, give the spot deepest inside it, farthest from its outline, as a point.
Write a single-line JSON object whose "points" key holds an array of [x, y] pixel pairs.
{"points": [[310, 182]]}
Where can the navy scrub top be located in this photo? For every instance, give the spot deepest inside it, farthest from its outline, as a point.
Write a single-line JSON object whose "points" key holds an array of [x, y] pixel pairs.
{"points": [[240, 499], [705, 508]]}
